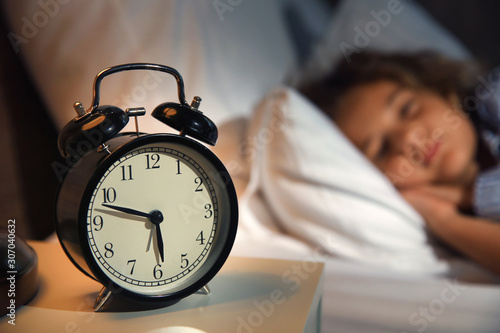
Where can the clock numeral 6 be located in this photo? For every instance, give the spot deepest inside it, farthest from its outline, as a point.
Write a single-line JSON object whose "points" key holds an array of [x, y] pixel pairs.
{"points": [[109, 250], [157, 273], [109, 194]]}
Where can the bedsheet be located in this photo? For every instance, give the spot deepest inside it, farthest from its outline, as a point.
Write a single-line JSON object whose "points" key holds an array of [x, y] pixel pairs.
{"points": [[362, 298]]}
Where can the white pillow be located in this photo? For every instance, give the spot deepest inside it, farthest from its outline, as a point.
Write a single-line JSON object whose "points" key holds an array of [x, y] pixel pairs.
{"points": [[322, 190], [229, 52], [388, 25]]}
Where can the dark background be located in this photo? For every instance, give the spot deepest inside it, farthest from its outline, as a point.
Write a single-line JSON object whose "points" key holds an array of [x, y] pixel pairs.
{"points": [[28, 139]]}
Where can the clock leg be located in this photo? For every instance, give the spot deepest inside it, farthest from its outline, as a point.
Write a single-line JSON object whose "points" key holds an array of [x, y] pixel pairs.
{"points": [[102, 297], [204, 291]]}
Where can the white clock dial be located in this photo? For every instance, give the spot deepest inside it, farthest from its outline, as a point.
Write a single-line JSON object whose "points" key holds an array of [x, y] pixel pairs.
{"points": [[154, 187]]}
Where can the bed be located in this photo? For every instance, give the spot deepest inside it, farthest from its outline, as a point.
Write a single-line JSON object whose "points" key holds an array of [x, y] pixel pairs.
{"points": [[300, 197]]}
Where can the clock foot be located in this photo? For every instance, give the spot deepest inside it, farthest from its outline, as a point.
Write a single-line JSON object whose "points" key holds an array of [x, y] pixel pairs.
{"points": [[204, 291], [102, 297]]}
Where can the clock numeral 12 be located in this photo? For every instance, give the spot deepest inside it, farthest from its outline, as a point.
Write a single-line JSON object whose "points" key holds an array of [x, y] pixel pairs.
{"points": [[154, 158]]}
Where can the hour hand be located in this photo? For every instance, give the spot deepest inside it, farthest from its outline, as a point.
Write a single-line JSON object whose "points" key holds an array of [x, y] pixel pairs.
{"points": [[127, 210]]}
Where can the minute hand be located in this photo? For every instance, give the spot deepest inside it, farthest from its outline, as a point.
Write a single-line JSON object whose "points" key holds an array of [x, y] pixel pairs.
{"points": [[127, 210]]}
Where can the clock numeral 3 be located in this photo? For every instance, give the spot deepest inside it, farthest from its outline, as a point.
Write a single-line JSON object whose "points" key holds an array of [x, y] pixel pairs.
{"points": [[208, 211], [109, 194], [109, 250], [152, 161]]}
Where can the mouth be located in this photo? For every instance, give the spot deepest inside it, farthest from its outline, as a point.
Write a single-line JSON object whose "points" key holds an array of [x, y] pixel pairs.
{"points": [[430, 153]]}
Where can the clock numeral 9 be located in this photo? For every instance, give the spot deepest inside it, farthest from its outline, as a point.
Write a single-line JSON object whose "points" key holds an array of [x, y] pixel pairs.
{"points": [[98, 222], [157, 273], [109, 250], [109, 194], [154, 159]]}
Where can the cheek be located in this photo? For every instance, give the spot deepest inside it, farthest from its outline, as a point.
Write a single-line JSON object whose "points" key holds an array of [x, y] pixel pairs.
{"points": [[460, 150]]}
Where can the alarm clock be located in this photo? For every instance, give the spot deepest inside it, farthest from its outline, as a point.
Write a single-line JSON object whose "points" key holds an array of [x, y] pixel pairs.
{"points": [[151, 217]]}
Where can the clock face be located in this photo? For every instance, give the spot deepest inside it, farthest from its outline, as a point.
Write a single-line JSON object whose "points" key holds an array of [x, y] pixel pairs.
{"points": [[158, 217]]}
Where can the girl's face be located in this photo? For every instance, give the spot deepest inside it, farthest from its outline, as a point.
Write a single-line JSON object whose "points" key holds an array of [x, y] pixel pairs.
{"points": [[415, 137]]}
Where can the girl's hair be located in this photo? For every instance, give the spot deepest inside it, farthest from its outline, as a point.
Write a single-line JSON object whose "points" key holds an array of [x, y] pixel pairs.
{"points": [[421, 70]]}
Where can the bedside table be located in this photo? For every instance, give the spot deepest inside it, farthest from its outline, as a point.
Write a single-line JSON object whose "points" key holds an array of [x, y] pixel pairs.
{"points": [[248, 295]]}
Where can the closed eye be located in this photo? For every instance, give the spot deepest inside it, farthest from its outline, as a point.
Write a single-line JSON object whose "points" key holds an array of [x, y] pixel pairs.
{"points": [[382, 150], [407, 109]]}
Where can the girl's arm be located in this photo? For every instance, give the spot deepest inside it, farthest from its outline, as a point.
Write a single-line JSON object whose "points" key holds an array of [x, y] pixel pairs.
{"points": [[476, 238]]}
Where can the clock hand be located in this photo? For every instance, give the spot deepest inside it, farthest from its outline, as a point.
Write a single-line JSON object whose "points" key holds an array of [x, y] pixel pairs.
{"points": [[128, 210], [156, 217], [159, 240]]}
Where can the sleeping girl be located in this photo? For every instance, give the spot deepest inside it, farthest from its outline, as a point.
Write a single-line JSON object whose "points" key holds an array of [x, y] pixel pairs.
{"points": [[422, 120]]}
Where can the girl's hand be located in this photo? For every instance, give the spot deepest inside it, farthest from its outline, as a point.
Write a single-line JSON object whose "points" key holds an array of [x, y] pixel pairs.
{"points": [[459, 196], [474, 237], [437, 209]]}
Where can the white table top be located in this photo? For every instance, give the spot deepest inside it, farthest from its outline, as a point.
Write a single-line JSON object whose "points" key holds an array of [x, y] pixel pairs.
{"points": [[247, 295]]}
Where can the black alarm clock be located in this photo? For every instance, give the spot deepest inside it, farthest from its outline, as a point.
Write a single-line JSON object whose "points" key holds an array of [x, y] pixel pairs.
{"points": [[152, 217]]}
